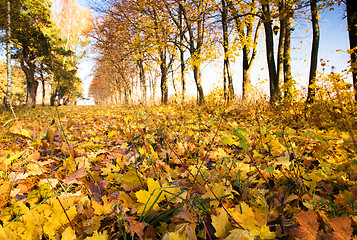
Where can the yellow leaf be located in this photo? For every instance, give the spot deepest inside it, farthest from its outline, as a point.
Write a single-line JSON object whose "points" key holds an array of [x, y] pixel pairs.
{"points": [[25, 133], [219, 190], [152, 197], [174, 236], [16, 156], [111, 134], [221, 223], [98, 236], [131, 179], [68, 234], [245, 216], [239, 234], [3, 234], [106, 208], [265, 233]]}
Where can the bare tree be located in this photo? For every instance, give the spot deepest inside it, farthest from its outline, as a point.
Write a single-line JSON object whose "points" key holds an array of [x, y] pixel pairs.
{"points": [[314, 51]]}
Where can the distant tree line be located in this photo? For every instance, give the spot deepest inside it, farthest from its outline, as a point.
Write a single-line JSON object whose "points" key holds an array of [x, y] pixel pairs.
{"points": [[143, 44]]}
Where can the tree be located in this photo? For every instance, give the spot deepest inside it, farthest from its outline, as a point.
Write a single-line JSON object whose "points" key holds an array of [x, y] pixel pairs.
{"points": [[31, 39], [227, 75], [74, 21], [244, 15], [314, 51], [288, 81], [8, 53], [351, 7], [269, 41], [18, 84], [195, 16]]}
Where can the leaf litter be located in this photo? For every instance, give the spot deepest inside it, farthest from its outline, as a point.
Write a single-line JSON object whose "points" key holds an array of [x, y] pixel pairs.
{"points": [[174, 172]]}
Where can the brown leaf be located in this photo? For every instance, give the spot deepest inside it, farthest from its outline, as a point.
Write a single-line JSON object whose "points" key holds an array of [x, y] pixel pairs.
{"points": [[342, 228], [150, 232], [78, 174], [308, 227], [135, 226], [185, 216]]}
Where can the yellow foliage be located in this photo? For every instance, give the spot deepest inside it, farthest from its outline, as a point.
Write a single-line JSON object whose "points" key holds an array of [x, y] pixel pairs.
{"points": [[221, 223]]}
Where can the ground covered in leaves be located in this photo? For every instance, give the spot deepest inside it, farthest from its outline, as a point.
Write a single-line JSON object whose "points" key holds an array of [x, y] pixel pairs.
{"points": [[178, 172]]}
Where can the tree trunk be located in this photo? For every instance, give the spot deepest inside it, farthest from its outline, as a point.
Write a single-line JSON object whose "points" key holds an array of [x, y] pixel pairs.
{"points": [[8, 55], [281, 44], [314, 52], [28, 67], [247, 82], [68, 99], [182, 53], [288, 84], [32, 86], [227, 71], [163, 69], [142, 80], [195, 44], [273, 78], [248, 43], [352, 31], [43, 92], [197, 74]]}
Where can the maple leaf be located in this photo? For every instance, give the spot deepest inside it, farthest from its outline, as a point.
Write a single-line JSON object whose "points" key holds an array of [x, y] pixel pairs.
{"points": [[69, 234], [251, 221], [308, 226], [342, 228], [152, 197], [135, 226], [105, 208], [239, 234], [3, 234], [218, 190], [98, 236], [221, 223]]}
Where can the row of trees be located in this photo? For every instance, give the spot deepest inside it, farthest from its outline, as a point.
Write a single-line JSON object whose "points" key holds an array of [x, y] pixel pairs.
{"points": [[138, 41], [44, 42]]}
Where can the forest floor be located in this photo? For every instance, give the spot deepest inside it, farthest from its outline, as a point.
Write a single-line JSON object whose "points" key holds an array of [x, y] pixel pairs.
{"points": [[179, 172]]}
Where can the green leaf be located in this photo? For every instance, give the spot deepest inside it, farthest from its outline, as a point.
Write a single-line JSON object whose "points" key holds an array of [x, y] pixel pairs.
{"points": [[225, 140], [243, 144], [270, 169], [308, 134], [25, 133], [239, 132], [320, 139]]}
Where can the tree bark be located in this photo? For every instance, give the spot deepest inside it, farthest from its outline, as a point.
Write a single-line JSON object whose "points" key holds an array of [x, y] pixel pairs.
{"points": [[28, 67], [269, 41], [163, 69], [280, 63], [314, 52], [352, 32], [8, 55], [182, 53], [229, 95], [247, 82], [197, 74], [288, 84], [142, 80]]}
